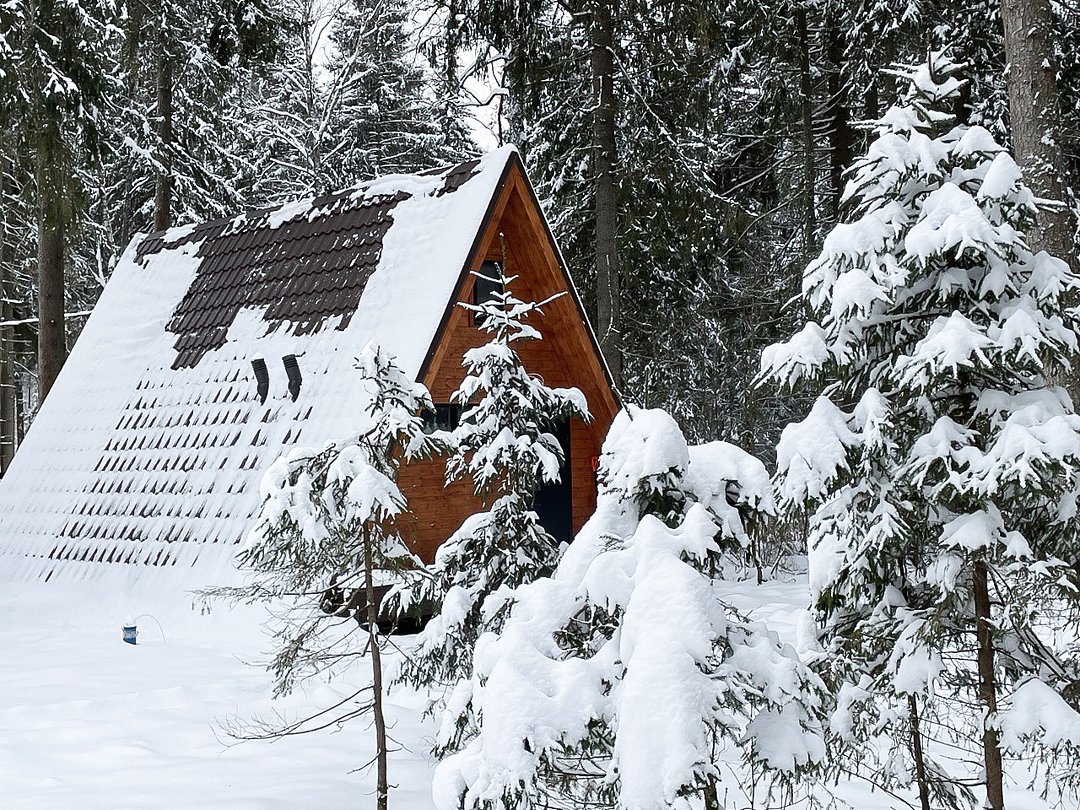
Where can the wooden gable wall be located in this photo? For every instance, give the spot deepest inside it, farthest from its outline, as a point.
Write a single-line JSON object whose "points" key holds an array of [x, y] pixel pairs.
{"points": [[566, 356]]}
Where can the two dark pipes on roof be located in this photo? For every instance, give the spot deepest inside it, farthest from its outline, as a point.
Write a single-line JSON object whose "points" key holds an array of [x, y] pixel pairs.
{"points": [[262, 376]]}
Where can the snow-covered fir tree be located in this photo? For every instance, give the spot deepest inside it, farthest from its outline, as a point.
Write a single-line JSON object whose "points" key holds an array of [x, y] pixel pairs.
{"points": [[505, 444], [623, 680], [938, 466], [177, 120], [55, 57], [347, 101], [328, 524], [389, 110]]}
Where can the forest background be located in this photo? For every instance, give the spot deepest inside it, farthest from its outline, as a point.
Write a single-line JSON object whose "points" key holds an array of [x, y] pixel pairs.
{"points": [[690, 154]]}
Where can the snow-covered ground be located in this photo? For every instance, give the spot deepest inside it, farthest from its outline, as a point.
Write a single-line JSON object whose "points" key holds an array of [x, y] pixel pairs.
{"points": [[88, 722]]}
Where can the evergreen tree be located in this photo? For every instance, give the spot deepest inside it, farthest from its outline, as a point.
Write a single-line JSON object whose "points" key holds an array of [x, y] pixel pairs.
{"points": [[348, 102], [177, 119], [623, 679], [938, 465], [56, 52], [389, 111], [505, 445], [330, 518]]}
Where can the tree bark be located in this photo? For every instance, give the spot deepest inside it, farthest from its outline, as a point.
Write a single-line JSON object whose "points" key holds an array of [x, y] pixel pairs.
{"points": [[163, 182], [711, 795], [1034, 116], [917, 753], [841, 135], [995, 795], [605, 188], [52, 343], [7, 347], [7, 343], [382, 788], [807, 92]]}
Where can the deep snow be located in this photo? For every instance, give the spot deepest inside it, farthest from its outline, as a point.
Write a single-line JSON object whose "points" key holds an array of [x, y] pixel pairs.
{"points": [[90, 723]]}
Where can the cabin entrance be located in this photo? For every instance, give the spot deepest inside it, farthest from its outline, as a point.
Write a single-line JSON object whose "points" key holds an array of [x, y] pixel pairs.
{"points": [[554, 502]]}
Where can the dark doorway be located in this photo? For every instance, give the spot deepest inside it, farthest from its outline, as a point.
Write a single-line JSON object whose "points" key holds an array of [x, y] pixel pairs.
{"points": [[554, 502]]}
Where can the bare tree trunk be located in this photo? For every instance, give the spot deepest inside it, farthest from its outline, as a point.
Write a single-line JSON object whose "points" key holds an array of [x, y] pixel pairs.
{"points": [[7, 342], [7, 347], [807, 92], [163, 182], [711, 795], [1034, 117], [841, 136], [382, 788], [52, 343], [7, 381], [605, 188], [450, 68], [917, 753], [995, 796]]}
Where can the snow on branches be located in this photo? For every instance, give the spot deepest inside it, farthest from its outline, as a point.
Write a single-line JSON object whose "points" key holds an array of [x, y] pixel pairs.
{"points": [[939, 465], [622, 677], [505, 445], [329, 514]]}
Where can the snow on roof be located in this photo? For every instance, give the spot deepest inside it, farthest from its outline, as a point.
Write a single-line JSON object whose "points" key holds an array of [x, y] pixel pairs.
{"points": [[151, 445]]}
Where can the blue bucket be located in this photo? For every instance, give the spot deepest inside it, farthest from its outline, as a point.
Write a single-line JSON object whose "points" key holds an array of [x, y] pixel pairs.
{"points": [[130, 632]]}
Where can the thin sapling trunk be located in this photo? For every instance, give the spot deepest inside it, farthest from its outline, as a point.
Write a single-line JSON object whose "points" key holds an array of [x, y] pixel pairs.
{"points": [[995, 794], [382, 787]]}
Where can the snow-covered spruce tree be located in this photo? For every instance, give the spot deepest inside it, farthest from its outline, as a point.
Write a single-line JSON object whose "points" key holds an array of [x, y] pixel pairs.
{"points": [[347, 101], [505, 444], [938, 466], [623, 680], [55, 56], [329, 517]]}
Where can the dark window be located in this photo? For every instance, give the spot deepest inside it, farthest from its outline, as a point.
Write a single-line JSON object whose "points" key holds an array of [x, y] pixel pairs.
{"points": [[444, 417], [554, 503], [487, 286], [262, 379]]}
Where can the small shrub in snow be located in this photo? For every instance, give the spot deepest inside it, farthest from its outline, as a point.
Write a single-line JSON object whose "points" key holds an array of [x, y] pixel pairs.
{"points": [[505, 445], [330, 516], [620, 680], [939, 465]]}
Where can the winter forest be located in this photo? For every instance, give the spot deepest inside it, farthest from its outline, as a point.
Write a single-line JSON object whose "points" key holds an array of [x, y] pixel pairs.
{"points": [[829, 253]]}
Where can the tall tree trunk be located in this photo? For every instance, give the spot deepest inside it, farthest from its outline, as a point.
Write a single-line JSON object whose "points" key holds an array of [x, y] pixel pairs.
{"points": [[841, 135], [807, 100], [711, 795], [605, 188], [382, 788], [917, 753], [52, 343], [1034, 116], [163, 182], [995, 796], [7, 342], [450, 68]]}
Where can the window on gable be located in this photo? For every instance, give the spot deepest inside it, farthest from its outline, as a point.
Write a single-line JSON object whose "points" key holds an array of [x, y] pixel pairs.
{"points": [[444, 417], [486, 287]]}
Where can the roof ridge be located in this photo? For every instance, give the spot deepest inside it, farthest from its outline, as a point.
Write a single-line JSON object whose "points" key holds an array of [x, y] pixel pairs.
{"points": [[177, 235]]}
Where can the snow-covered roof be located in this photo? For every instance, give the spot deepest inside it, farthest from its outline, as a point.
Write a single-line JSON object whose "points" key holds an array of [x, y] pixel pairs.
{"points": [[150, 447]]}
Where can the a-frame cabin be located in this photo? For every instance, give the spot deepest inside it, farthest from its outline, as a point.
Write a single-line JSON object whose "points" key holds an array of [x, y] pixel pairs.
{"points": [[215, 348]]}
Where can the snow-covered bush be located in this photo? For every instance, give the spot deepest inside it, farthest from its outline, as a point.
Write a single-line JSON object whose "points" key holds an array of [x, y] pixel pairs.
{"points": [[939, 465], [505, 445], [619, 680]]}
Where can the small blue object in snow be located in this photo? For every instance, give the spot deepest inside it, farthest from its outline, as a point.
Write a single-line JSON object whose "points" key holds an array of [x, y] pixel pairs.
{"points": [[130, 632]]}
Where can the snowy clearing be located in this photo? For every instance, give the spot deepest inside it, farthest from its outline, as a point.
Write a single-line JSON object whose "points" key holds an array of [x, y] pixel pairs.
{"points": [[90, 723]]}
